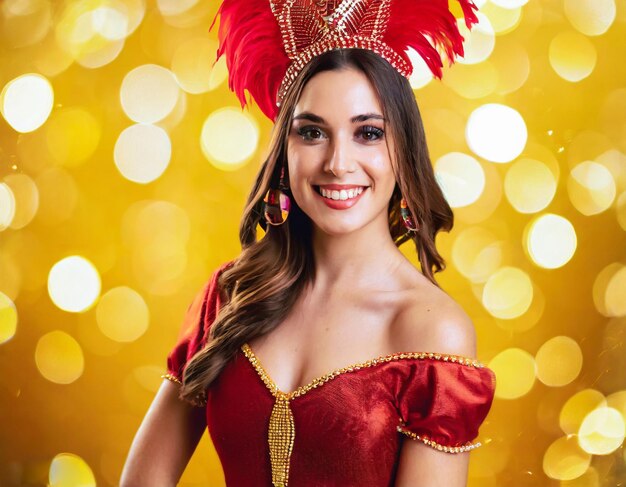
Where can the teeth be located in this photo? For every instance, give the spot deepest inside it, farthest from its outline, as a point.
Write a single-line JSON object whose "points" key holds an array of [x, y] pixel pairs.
{"points": [[341, 195]]}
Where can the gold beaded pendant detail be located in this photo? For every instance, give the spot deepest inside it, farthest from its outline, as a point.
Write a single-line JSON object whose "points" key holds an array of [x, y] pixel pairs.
{"points": [[281, 437]]}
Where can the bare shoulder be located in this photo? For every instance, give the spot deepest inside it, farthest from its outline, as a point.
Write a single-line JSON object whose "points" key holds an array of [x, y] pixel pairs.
{"points": [[430, 320]]}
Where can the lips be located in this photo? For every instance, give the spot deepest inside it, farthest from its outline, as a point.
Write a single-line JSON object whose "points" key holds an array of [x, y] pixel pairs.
{"points": [[340, 196]]}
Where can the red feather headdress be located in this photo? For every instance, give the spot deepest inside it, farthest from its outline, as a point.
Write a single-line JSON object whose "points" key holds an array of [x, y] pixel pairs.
{"points": [[268, 42]]}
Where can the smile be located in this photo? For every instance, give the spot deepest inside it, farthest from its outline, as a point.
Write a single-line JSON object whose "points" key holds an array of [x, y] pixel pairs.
{"points": [[340, 197]]}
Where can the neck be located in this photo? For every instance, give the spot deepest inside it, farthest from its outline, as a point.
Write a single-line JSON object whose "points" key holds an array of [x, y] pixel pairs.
{"points": [[358, 258]]}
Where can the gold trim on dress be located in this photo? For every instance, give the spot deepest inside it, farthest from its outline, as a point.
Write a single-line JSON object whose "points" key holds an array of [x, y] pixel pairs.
{"points": [[438, 446], [281, 436], [171, 377], [281, 431], [271, 385]]}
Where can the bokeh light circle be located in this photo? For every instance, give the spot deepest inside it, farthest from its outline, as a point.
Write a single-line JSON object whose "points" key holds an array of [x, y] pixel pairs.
{"points": [[591, 188], [590, 17], [602, 431], [515, 369], [142, 152], [551, 241], [74, 284], [461, 178], [508, 293], [479, 42], [7, 206], [559, 361], [572, 56], [565, 460], [122, 314], [26, 102], [149, 93], [229, 138], [529, 185], [70, 470], [496, 132], [59, 357], [8, 318]]}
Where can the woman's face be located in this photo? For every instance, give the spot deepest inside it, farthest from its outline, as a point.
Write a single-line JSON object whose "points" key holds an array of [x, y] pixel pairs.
{"points": [[340, 170]]}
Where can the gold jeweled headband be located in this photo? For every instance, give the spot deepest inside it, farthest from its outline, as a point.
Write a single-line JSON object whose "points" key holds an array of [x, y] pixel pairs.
{"points": [[268, 42]]}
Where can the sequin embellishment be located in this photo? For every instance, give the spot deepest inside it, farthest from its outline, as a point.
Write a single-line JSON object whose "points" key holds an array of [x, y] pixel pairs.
{"points": [[171, 377], [438, 446], [281, 431]]}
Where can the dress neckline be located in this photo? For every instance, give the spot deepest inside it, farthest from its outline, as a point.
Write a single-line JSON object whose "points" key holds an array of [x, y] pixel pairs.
{"points": [[321, 380]]}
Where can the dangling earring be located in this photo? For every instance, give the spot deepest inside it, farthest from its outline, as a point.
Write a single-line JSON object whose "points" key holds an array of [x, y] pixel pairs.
{"points": [[277, 203], [405, 213]]}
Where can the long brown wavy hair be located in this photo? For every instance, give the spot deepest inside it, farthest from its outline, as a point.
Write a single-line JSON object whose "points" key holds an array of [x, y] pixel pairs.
{"points": [[262, 285]]}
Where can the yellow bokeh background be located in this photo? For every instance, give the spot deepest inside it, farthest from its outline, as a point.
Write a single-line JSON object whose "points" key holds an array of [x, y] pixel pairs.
{"points": [[125, 163]]}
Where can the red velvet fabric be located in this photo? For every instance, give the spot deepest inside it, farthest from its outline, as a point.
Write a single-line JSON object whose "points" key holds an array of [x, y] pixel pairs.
{"points": [[345, 429]]}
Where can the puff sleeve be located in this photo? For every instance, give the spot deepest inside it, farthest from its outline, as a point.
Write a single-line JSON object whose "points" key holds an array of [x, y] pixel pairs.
{"points": [[194, 331], [444, 400]]}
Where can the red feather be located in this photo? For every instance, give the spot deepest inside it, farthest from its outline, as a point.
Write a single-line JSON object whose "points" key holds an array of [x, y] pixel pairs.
{"points": [[250, 37]]}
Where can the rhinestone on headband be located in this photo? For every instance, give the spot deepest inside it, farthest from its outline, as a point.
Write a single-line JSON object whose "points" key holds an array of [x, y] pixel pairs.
{"points": [[268, 42]]}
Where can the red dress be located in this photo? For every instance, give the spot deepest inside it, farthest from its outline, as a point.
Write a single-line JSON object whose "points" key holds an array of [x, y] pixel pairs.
{"points": [[342, 429]]}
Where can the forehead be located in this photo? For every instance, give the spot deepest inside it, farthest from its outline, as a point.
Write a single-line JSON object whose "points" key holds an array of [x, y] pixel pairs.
{"points": [[338, 93]]}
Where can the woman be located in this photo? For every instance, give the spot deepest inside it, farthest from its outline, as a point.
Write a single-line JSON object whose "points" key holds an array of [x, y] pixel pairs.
{"points": [[293, 350]]}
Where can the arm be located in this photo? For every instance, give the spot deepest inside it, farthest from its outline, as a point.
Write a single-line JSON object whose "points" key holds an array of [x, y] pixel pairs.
{"points": [[165, 441], [452, 332]]}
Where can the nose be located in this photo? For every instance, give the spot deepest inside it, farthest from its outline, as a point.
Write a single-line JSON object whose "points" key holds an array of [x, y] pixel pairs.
{"points": [[340, 160]]}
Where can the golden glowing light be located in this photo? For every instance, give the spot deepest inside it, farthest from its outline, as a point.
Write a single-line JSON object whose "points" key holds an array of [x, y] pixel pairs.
{"points": [[93, 32], [7, 206], [58, 195], [26, 198], [512, 65], [477, 253], [617, 401], [68, 469], [508, 293], [510, 4], [590, 17], [72, 135], [74, 284], [59, 357], [142, 153], [157, 232], [591, 188], [529, 185], [602, 431], [559, 361], [577, 407], [461, 178], [421, 75], [572, 56], [26, 102], [564, 459], [515, 370], [479, 42], [192, 65], [496, 132], [550, 241], [25, 23], [149, 93], [609, 289], [473, 81], [8, 318], [503, 19], [229, 138], [122, 314]]}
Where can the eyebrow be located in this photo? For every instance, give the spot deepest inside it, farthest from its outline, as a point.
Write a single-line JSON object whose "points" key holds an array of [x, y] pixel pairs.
{"points": [[358, 118]]}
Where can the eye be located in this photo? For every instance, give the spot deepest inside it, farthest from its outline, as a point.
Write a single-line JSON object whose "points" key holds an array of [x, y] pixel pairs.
{"points": [[306, 132], [369, 130]]}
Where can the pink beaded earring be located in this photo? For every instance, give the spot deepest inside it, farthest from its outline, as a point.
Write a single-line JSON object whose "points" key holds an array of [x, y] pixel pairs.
{"points": [[407, 218], [277, 203]]}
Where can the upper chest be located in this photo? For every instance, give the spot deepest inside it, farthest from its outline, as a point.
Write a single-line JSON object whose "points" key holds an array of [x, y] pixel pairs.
{"points": [[320, 336]]}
